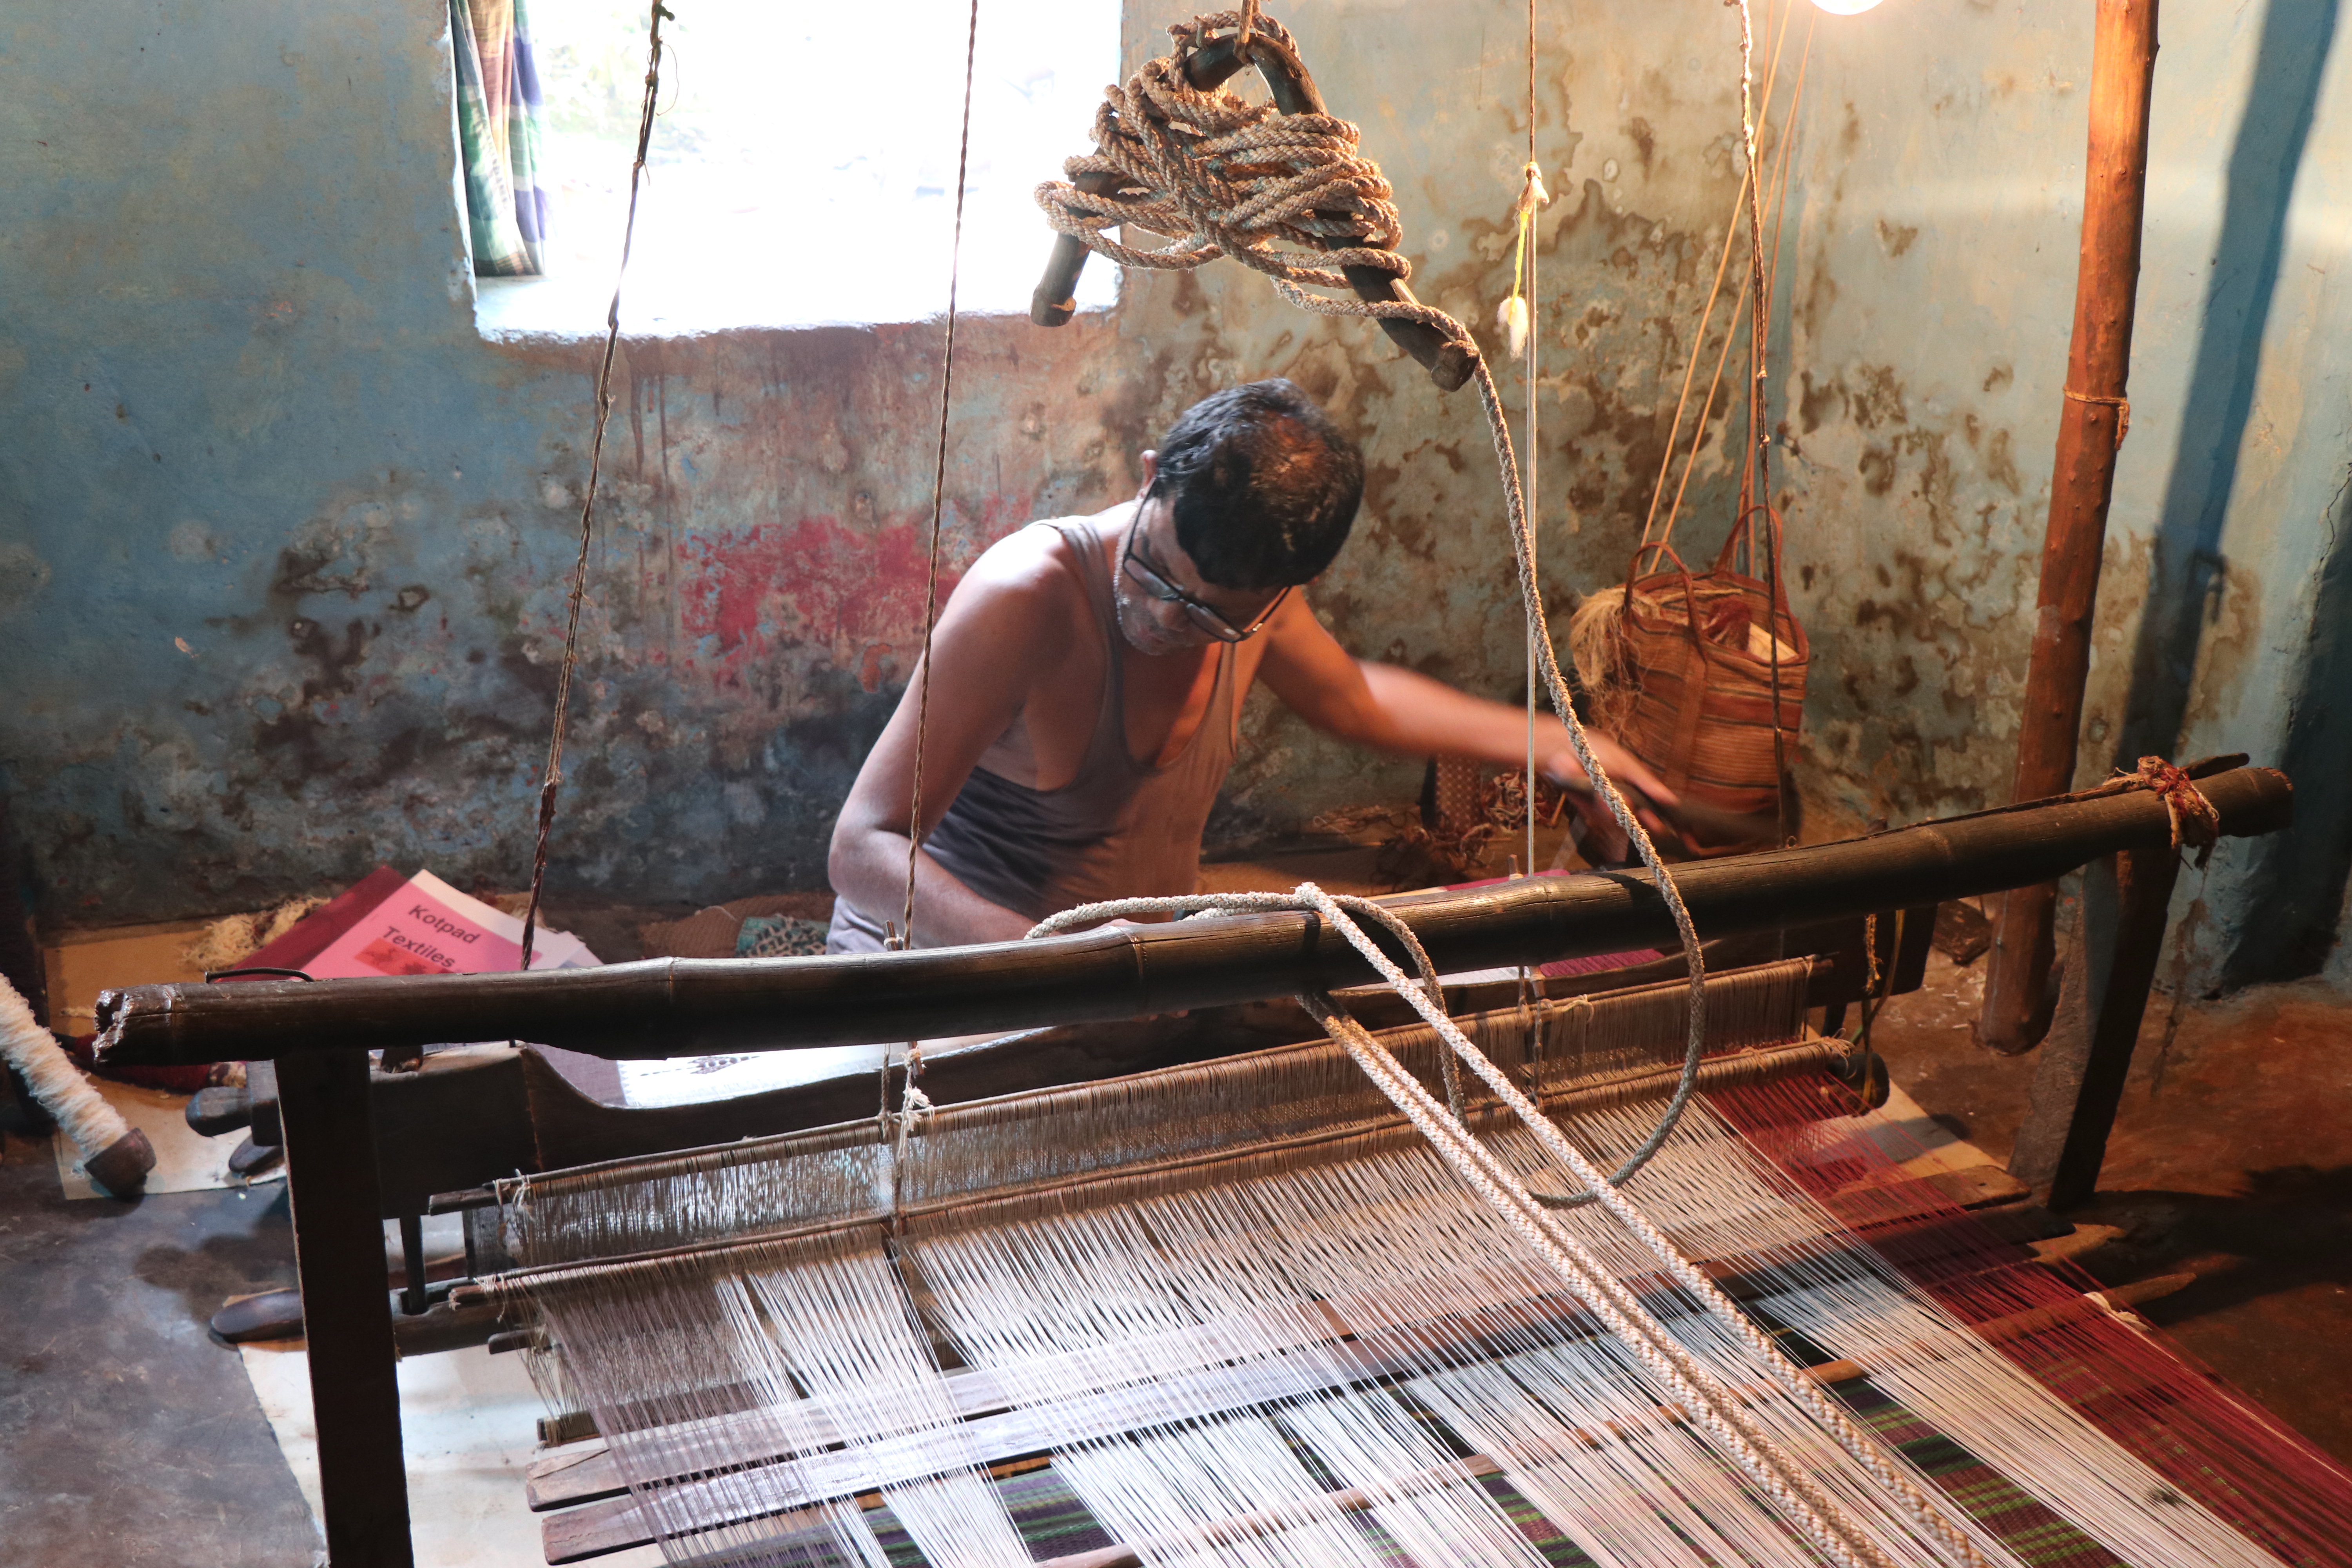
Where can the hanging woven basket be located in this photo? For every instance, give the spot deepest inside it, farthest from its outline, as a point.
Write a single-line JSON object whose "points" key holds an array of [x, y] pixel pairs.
{"points": [[1699, 657]]}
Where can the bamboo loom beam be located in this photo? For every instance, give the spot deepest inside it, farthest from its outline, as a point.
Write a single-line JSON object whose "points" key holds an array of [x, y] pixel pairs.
{"points": [[2092, 419], [669, 1007]]}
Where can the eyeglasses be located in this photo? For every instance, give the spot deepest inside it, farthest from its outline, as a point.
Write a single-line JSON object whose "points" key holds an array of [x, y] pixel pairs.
{"points": [[1155, 583]]}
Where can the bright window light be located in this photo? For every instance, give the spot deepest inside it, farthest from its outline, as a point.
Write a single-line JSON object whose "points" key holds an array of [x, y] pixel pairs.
{"points": [[1845, 7], [802, 165]]}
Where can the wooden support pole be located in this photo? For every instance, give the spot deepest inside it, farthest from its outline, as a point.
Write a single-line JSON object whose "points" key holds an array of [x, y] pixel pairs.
{"points": [[331, 1178], [2093, 418], [2079, 1082]]}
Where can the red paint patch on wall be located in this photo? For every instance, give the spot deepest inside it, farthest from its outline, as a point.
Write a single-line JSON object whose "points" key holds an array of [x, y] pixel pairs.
{"points": [[815, 582]]}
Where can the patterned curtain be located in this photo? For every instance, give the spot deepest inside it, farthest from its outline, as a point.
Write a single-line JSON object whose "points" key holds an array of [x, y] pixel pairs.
{"points": [[498, 128]]}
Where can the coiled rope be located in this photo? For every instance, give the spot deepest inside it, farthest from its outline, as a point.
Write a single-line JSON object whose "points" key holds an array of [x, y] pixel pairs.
{"points": [[1286, 194]]}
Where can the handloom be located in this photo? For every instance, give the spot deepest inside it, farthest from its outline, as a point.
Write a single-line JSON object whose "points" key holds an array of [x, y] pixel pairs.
{"points": [[1245, 1315], [318, 1035]]}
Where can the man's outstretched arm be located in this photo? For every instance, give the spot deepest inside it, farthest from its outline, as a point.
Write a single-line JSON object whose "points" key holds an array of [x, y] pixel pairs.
{"points": [[985, 653], [1398, 709]]}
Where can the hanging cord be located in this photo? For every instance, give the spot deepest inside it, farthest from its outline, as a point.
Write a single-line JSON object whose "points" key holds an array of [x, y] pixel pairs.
{"points": [[1716, 290], [553, 778], [1532, 198], [1758, 475], [1756, 484], [1699, 1391], [913, 1103], [1302, 182], [1650, 529]]}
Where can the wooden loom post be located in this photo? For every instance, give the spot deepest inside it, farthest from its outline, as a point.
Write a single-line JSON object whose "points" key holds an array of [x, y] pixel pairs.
{"points": [[2093, 418], [331, 1181], [2079, 1082]]}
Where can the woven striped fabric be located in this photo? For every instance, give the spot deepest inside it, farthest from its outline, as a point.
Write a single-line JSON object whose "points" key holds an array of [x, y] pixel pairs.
{"points": [[1053, 1522], [498, 128]]}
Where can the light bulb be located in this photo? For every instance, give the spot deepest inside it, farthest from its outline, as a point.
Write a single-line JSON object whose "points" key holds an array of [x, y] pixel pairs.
{"points": [[1845, 7]]}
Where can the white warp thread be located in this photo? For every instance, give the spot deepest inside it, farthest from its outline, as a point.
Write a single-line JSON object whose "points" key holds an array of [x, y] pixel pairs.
{"points": [[1715, 1406], [93, 1124]]}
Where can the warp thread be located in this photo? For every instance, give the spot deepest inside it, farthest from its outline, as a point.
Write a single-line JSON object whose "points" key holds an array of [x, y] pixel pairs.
{"points": [[1822, 1520]]}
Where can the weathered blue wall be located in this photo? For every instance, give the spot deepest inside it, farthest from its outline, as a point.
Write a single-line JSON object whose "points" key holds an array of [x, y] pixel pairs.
{"points": [[284, 542], [1928, 311], [247, 410]]}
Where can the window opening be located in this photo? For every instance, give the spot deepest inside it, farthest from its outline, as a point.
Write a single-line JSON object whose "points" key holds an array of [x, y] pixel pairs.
{"points": [[801, 165]]}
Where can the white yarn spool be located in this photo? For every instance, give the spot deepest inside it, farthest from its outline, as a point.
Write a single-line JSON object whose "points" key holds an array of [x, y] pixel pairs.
{"points": [[95, 1127]]}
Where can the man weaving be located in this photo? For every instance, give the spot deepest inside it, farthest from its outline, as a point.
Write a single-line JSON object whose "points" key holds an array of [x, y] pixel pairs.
{"points": [[1086, 681]]}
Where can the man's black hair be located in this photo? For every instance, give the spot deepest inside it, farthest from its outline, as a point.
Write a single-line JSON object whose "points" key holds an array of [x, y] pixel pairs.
{"points": [[1263, 484]]}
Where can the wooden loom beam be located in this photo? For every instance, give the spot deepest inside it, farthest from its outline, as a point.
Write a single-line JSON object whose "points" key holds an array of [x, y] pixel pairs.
{"points": [[683, 1006]]}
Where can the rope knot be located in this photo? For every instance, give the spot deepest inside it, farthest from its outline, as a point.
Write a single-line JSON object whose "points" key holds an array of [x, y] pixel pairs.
{"points": [[2193, 818], [1291, 196]]}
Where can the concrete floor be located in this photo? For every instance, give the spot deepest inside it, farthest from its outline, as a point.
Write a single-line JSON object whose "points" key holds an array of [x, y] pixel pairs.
{"points": [[127, 1434], [124, 1427], [2231, 1158]]}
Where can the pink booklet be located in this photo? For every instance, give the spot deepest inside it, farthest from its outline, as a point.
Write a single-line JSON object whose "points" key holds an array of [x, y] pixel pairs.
{"points": [[425, 926]]}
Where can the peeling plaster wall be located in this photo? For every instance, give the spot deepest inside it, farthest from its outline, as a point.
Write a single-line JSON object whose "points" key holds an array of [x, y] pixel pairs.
{"points": [[283, 540], [1926, 320]]}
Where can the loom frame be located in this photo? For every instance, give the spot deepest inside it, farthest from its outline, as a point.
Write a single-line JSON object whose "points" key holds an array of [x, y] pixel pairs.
{"points": [[319, 1034]]}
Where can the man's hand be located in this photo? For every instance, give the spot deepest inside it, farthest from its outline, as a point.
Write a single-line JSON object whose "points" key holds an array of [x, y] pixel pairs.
{"points": [[1643, 789]]}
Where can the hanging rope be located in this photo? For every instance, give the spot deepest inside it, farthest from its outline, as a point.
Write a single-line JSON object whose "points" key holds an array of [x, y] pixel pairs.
{"points": [[1759, 430], [1650, 527], [552, 779], [1532, 199], [912, 1101]]}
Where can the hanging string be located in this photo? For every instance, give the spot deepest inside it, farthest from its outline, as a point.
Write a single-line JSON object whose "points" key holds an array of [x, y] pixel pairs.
{"points": [[1532, 197], [913, 1101], [1755, 485], [553, 778], [1759, 430], [1650, 527]]}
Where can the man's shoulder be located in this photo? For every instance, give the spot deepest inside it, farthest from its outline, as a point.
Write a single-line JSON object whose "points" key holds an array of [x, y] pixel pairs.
{"points": [[1032, 564]]}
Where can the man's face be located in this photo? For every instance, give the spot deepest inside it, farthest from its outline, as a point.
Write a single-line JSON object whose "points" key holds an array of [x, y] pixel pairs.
{"points": [[1152, 570]]}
